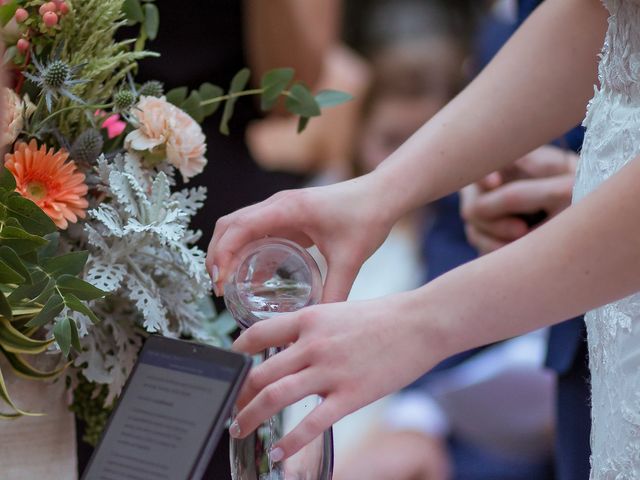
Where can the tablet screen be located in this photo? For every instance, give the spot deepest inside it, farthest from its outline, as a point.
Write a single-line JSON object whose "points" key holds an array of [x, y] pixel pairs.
{"points": [[164, 418]]}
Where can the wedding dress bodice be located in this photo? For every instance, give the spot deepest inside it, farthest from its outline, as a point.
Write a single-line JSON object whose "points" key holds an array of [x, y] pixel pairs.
{"points": [[612, 140]]}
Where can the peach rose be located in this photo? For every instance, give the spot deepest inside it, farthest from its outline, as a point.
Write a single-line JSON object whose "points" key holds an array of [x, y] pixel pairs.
{"points": [[164, 129], [12, 116]]}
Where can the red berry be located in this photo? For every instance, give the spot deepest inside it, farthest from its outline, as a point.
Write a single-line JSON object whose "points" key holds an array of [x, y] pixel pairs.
{"points": [[23, 45], [21, 15], [47, 7], [64, 8], [50, 19]]}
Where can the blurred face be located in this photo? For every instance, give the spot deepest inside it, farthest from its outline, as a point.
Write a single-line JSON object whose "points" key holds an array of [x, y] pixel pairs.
{"points": [[413, 82], [391, 121]]}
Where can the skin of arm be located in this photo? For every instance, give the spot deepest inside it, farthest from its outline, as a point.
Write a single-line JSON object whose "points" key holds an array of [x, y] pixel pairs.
{"points": [[278, 34]]}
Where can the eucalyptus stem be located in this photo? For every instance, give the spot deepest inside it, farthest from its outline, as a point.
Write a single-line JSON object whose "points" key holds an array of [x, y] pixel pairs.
{"points": [[222, 98]]}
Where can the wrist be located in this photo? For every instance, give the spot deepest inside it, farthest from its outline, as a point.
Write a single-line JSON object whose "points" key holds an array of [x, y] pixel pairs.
{"points": [[391, 191], [427, 323]]}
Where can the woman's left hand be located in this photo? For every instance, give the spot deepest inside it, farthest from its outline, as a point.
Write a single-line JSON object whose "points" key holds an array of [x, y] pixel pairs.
{"points": [[349, 353]]}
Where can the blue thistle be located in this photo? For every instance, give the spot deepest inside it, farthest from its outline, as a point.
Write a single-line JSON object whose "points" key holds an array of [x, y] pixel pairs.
{"points": [[56, 78]]}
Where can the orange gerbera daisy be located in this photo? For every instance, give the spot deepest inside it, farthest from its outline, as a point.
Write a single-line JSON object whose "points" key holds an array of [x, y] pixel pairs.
{"points": [[48, 180]]}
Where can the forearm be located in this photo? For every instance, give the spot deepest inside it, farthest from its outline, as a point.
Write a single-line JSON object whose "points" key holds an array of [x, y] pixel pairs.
{"points": [[290, 33], [585, 257], [536, 88]]}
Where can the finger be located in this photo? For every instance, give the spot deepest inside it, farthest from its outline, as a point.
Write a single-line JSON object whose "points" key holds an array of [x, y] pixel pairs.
{"points": [[523, 196], [341, 273], [275, 220], [502, 229], [280, 365], [491, 181], [278, 331], [484, 244], [319, 420], [547, 161], [272, 399]]}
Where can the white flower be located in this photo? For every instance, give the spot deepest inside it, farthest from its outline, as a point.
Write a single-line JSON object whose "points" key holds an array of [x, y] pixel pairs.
{"points": [[164, 129], [12, 116]]}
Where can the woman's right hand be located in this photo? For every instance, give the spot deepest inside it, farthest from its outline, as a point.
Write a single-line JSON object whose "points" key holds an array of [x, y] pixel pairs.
{"points": [[347, 222]]}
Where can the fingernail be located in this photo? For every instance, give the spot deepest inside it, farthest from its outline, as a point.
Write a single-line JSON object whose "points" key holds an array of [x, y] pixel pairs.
{"points": [[215, 273], [234, 430], [215, 289], [276, 455]]}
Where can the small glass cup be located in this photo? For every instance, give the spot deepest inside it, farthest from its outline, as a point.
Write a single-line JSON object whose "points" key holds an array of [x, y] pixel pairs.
{"points": [[274, 276]]}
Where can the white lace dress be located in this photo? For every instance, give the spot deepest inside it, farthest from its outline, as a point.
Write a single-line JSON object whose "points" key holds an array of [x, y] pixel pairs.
{"points": [[613, 140]]}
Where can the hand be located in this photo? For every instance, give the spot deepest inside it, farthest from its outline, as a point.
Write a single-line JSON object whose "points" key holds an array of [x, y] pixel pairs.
{"points": [[542, 180], [402, 455], [347, 221], [345, 352]]}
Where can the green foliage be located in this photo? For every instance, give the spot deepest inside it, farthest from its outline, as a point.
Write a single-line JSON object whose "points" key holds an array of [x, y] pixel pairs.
{"points": [[7, 11], [36, 285], [87, 35], [238, 82], [274, 85], [89, 406]]}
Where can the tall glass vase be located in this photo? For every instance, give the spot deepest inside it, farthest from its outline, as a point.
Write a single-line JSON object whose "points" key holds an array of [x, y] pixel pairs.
{"points": [[275, 276]]}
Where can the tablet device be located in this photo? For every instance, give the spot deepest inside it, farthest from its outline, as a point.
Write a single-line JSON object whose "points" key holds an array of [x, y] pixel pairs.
{"points": [[170, 414]]}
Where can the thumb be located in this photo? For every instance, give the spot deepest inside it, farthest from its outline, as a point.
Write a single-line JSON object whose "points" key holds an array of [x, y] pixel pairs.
{"points": [[342, 271]]}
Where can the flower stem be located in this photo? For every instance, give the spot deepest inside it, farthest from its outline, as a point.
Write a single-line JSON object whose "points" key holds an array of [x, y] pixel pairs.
{"points": [[72, 107], [222, 98]]}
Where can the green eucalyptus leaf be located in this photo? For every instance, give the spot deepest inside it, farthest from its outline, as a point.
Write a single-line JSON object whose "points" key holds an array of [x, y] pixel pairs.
{"points": [[62, 334], [81, 289], [208, 91], [46, 293], [51, 309], [30, 216], [273, 83], [302, 124], [238, 83], [177, 95], [7, 11], [151, 20], [70, 263], [192, 106], [75, 304], [331, 98], [9, 275], [5, 308], [32, 291], [11, 258], [19, 240], [75, 338], [51, 247], [300, 101], [7, 180], [133, 11]]}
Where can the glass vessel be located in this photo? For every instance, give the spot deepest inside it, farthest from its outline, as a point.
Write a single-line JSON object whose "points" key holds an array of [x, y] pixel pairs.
{"points": [[274, 276]]}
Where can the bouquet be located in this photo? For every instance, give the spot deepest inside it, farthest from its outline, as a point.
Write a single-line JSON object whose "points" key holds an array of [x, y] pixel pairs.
{"points": [[95, 246]]}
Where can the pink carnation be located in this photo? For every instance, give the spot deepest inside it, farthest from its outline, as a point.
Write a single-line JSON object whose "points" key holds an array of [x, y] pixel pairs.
{"points": [[162, 128]]}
